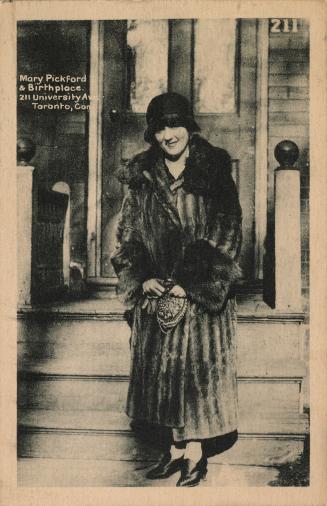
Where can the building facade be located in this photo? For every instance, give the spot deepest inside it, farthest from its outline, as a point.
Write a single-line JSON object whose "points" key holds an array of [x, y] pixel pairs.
{"points": [[248, 81]]}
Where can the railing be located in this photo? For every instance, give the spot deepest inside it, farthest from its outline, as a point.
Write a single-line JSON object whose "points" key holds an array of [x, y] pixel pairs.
{"points": [[47, 245], [41, 216]]}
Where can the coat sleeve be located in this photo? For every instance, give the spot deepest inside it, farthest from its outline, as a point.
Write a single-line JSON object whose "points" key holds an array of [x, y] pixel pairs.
{"points": [[210, 265], [130, 258]]}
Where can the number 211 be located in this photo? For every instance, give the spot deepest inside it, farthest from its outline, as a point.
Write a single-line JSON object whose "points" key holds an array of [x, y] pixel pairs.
{"points": [[283, 25]]}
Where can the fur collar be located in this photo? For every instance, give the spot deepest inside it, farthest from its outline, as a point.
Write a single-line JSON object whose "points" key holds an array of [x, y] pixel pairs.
{"points": [[207, 169]]}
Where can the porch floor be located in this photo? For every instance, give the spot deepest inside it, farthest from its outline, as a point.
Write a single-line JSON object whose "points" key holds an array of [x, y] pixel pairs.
{"points": [[95, 473], [248, 305]]}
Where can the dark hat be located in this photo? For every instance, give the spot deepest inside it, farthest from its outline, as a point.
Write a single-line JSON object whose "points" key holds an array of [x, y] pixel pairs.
{"points": [[169, 109]]}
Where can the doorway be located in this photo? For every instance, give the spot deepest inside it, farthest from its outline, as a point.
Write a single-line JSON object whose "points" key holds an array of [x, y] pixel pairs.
{"points": [[211, 61]]}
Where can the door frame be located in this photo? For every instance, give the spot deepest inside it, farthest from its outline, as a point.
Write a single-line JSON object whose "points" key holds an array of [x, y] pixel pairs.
{"points": [[94, 198], [94, 194], [261, 146]]}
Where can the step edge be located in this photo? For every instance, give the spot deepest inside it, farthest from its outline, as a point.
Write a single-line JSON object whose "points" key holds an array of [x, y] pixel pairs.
{"points": [[292, 424], [58, 314], [31, 376], [26, 429]]}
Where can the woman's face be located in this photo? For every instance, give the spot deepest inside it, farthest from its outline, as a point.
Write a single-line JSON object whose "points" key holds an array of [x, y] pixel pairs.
{"points": [[173, 140]]}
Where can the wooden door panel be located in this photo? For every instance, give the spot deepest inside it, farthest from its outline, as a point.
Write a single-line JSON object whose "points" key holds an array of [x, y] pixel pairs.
{"points": [[132, 138], [235, 132], [180, 59]]}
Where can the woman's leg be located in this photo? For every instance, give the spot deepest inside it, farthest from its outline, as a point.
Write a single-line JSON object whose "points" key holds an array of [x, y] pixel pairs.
{"points": [[192, 448], [177, 449], [194, 465], [193, 451], [170, 462]]}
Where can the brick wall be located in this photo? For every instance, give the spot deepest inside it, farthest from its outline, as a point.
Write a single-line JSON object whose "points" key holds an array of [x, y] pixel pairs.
{"points": [[288, 118]]}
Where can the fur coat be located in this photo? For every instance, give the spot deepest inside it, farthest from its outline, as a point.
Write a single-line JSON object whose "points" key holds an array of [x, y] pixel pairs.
{"points": [[188, 230]]}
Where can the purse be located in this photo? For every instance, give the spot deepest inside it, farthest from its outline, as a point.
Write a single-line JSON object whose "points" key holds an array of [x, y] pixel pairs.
{"points": [[170, 311]]}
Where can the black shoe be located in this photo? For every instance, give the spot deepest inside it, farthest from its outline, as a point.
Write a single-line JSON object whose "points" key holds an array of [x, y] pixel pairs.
{"points": [[192, 472], [166, 467]]}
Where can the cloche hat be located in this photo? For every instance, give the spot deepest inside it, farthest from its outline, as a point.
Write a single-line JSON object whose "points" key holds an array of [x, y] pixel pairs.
{"points": [[169, 109]]}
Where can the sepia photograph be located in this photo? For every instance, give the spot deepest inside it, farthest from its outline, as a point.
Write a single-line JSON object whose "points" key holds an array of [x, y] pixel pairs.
{"points": [[163, 252]]}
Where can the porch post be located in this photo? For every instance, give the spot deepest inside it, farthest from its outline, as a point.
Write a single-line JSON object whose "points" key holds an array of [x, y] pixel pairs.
{"points": [[25, 152], [287, 229]]}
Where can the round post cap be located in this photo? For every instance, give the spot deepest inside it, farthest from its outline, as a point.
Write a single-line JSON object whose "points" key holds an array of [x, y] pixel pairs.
{"points": [[286, 153]]}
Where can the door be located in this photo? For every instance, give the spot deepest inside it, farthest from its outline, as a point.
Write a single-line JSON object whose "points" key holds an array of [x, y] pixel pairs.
{"points": [[213, 63]]}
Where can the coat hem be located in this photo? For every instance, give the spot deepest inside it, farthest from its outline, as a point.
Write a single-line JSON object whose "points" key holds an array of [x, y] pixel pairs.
{"points": [[202, 437], [189, 437]]}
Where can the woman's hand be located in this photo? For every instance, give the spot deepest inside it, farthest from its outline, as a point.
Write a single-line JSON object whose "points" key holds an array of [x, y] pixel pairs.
{"points": [[153, 287], [177, 291]]}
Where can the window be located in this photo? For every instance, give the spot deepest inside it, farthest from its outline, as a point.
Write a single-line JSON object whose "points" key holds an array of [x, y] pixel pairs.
{"points": [[214, 70], [147, 58]]}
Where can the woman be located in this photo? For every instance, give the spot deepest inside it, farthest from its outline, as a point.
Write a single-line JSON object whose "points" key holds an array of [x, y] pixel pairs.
{"points": [[180, 231]]}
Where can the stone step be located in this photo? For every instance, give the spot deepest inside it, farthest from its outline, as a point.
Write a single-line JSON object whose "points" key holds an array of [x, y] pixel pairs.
{"points": [[73, 360], [249, 421], [250, 449], [91, 346], [256, 395], [105, 473]]}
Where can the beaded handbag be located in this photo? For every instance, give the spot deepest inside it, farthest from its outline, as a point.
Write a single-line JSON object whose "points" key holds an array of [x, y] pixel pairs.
{"points": [[170, 311]]}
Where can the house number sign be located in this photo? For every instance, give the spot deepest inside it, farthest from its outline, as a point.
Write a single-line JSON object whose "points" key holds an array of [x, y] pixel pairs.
{"points": [[285, 25]]}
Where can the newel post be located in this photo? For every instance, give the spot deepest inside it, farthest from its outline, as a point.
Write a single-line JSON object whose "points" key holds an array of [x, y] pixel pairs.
{"points": [[287, 229], [25, 152]]}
